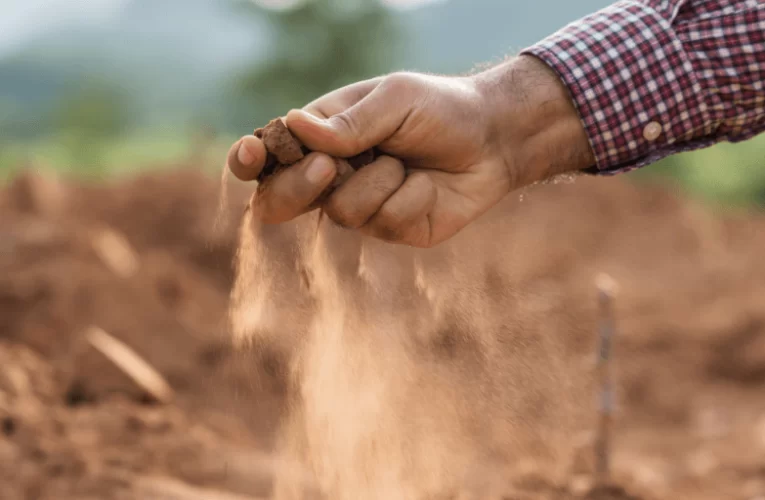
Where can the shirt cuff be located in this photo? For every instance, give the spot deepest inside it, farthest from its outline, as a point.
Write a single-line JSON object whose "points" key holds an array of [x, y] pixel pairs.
{"points": [[633, 86]]}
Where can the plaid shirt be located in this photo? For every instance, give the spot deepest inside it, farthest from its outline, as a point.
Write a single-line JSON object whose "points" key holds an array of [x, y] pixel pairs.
{"points": [[651, 78]]}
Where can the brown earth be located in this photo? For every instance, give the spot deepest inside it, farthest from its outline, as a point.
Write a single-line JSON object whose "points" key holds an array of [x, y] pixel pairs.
{"points": [[144, 260]]}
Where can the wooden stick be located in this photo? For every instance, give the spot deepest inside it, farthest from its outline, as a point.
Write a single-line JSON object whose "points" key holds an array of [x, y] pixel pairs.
{"points": [[607, 289], [115, 251], [166, 488], [127, 360]]}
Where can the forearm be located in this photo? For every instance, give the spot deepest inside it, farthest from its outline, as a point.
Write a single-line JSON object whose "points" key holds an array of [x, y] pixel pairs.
{"points": [[651, 78]]}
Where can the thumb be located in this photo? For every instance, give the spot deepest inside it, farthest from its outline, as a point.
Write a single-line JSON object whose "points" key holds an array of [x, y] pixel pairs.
{"points": [[362, 126]]}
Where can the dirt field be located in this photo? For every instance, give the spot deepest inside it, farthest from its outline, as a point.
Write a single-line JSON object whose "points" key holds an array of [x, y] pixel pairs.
{"points": [[142, 260]]}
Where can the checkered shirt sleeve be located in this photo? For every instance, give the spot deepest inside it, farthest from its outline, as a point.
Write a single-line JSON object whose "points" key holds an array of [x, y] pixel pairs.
{"points": [[651, 78]]}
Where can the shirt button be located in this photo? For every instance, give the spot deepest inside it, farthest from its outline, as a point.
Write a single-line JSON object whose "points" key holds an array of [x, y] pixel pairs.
{"points": [[652, 131]]}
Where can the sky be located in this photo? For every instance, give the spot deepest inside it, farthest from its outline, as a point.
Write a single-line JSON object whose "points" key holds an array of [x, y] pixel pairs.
{"points": [[402, 4], [22, 20]]}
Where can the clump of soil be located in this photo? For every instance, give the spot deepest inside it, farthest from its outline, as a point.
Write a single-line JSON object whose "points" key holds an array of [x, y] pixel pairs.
{"points": [[284, 149]]}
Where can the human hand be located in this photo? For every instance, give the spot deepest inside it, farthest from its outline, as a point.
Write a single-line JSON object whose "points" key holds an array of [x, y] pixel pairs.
{"points": [[452, 148]]}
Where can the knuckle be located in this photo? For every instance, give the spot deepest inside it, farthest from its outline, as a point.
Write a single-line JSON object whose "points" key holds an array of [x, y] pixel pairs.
{"points": [[346, 122], [389, 218], [400, 82], [342, 215], [349, 124], [387, 234], [390, 164], [420, 182], [411, 87], [389, 225]]}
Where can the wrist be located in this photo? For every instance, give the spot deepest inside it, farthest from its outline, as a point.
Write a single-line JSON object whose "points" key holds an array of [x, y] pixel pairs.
{"points": [[533, 121]]}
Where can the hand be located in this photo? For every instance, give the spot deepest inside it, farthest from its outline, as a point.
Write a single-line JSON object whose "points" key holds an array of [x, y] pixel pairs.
{"points": [[453, 147]]}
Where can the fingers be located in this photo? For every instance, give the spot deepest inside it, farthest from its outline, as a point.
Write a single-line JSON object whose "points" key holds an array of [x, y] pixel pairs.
{"points": [[379, 200], [361, 196], [365, 124], [405, 217], [291, 191], [246, 158]]}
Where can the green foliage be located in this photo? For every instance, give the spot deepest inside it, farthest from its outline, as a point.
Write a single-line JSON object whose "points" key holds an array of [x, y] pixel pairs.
{"points": [[726, 174], [87, 118], [96, 109], [123, 154], [316, 47]]}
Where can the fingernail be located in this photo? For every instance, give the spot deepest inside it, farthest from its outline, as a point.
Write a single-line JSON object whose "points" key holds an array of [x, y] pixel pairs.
{"points": [[319, 170], [244, 156]]}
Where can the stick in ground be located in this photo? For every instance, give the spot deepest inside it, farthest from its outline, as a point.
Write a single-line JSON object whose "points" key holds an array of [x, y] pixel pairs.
{"points": [[606, 292]]}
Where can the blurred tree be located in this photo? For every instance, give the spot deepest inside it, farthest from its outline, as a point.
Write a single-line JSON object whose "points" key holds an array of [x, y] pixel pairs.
{"points": [[87, 118], [95, 109], [316, 46]]}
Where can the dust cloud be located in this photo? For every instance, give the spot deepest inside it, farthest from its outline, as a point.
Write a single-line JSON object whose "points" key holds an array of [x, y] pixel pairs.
{"points": [[413, 373]]}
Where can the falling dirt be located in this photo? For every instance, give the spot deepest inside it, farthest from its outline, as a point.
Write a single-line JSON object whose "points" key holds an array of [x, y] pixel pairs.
{"points": [[689, 360]]}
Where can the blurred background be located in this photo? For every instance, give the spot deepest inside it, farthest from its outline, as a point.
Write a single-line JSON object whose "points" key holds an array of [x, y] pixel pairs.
{"points": [[101, 87]]}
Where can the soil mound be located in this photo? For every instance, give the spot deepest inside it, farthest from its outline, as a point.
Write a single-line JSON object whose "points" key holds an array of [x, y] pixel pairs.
{"points": [[143, 260]]}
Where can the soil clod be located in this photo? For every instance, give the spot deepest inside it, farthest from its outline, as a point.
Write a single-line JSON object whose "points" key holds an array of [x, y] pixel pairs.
{"points": [[284, 149]]}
